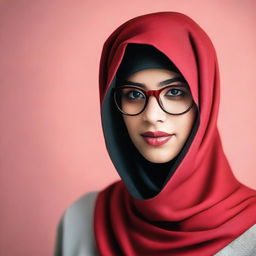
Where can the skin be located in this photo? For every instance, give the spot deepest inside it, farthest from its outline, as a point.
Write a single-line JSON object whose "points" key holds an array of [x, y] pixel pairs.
{"points": [[153, 118]]}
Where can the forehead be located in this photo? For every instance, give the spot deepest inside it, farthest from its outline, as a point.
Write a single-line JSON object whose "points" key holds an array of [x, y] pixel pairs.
{"points": [[155, 78], [155, 73]]}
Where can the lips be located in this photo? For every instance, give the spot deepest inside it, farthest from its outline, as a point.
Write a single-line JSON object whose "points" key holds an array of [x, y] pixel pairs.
{"points": [[155, 134], [156, 138]]}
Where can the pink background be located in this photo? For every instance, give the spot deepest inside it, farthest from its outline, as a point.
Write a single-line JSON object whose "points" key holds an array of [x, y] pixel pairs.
{"points": [[51, 146]]}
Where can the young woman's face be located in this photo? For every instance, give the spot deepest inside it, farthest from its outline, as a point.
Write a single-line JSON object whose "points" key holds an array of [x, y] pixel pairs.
{"points": [[153, 119]]}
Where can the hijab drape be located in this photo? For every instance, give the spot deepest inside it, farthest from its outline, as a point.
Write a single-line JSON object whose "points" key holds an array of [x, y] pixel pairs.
{"points": [[197, 206]]}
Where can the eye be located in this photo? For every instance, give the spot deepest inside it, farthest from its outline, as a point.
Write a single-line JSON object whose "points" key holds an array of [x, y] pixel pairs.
{"points": [[175, 92], [134, 95]]}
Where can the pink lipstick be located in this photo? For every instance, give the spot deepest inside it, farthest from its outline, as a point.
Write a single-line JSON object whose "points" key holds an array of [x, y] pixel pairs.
{"points": [[156, 138]]}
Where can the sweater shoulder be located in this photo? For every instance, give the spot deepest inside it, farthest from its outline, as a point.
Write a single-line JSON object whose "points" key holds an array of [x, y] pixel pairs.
{"points": [[76, 235], [81, 207], [245, 244]]}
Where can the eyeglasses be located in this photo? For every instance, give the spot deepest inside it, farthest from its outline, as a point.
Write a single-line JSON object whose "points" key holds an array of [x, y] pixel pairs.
{"points": [[174, 100]]}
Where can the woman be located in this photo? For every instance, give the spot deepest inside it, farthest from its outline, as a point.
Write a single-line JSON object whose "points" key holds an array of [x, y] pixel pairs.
{"points": [[159, 93]]}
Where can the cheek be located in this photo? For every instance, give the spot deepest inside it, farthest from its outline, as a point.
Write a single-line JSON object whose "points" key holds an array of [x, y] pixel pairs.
{"points": [[186, 123], [131, 124]]}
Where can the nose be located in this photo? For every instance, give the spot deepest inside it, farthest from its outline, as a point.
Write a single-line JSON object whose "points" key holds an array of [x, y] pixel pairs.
{"points": [[153, 112]]}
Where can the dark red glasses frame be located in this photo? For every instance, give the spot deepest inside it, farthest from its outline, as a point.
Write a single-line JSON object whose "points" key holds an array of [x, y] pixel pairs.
{"points": [[148, 93]]}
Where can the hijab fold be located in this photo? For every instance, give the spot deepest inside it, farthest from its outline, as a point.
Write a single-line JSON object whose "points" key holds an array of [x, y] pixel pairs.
{"points": [[197, 206]]}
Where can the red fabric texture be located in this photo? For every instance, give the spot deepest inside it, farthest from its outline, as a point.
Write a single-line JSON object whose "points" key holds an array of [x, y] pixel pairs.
{"points": [[203, 207]]}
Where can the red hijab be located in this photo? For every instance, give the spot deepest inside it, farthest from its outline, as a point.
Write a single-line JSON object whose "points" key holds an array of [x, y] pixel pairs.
{"points": [[199, 206]]}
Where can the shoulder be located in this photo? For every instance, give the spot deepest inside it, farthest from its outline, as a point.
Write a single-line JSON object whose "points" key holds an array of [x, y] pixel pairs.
{"points": [[245, 244], [82, 207], [75, 232]]}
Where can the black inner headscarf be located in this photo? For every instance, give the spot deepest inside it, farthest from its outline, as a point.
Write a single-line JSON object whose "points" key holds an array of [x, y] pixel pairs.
{"points": [[142, 178]]}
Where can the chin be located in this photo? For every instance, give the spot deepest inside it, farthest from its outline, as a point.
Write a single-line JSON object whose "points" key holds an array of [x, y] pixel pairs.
{"points": [[158, 158]]}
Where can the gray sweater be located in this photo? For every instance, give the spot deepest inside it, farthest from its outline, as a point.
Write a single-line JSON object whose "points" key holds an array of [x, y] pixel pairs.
{"points": [[74, 235]]}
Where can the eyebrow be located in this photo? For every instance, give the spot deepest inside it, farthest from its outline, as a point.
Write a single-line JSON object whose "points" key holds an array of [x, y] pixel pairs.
{"points": [[162, 83]]}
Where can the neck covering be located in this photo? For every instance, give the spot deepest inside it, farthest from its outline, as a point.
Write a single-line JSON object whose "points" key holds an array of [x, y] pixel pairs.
{"points": [[192, 205]]}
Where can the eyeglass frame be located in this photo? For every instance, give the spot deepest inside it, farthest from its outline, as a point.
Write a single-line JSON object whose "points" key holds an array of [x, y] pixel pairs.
{"points": [[148, 93]]}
